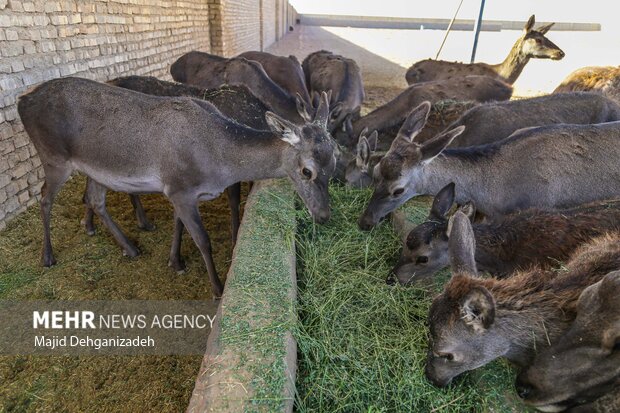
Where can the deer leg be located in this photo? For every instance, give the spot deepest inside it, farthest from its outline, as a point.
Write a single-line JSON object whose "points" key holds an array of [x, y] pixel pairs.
{"points": [[89, 214], [234, 199], [143, 222], [96, 199], [187, 212], [176, 261], [55, 177]]}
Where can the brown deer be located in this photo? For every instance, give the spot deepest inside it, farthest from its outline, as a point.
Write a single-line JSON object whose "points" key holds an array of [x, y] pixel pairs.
{"points": [[210, 71], [531, 44], [285, 71], [388, 118], [476, 320], [603, 79], [326, 71], [235, 102], [182, 147], [581, 371], [520, 241], [491, 122], [555, 166]]}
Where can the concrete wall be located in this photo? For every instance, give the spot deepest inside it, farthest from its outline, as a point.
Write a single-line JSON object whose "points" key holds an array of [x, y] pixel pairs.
{"points": [[102, 39]]}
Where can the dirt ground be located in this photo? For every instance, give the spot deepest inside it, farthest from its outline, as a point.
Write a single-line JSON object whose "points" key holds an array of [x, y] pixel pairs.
{"points": [[94, 268]]}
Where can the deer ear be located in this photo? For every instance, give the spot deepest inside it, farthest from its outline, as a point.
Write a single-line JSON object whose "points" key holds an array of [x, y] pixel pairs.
{"points": [[435, 146], [335, 110], [478, 309], [442, 202], [530, 23], [415, 122], [372, 140], [461, 245], [286, 130], [469, 209], [545, 29], [302, 108], [322, 111], [363, 153], [609, 290]]}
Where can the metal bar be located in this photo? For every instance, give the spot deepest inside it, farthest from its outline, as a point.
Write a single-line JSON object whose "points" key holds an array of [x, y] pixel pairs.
{"points": [[477, 31], [448, 30]]}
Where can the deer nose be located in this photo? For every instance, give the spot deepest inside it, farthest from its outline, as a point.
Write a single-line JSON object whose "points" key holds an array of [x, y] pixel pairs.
{"points": [[523, 390]]}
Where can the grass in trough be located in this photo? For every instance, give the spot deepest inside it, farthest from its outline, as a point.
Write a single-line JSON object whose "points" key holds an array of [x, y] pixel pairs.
{"points": [[361, 343]]}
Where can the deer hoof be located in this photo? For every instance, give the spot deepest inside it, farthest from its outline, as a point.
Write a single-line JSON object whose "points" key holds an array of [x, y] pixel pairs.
{"points": [[48, 261], [178, 266], [90, 228], [131, 252], [147, 226]]}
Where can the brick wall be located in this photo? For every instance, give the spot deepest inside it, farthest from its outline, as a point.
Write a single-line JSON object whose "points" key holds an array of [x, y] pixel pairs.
{"points": [[103, 39], [269, 22]]}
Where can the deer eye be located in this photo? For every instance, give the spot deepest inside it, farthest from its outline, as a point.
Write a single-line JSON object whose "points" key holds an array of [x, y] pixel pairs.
{"points": [[447, 356], [398, 191], [307, 173], [538, 41], [421, 260]]}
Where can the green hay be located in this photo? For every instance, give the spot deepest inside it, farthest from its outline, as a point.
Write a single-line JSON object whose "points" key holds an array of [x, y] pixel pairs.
{"points": [[362, 344], [93, 268]]}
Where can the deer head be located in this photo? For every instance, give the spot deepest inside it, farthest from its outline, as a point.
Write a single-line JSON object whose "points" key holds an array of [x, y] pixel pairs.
{"points": [[358, 172], [425, 250], [534, 44], [401, 166], [584, 363], [463, 334], [309, 160]]}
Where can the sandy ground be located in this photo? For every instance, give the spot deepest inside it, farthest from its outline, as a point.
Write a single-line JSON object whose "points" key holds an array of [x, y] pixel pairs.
{"points": [[384, 55]]}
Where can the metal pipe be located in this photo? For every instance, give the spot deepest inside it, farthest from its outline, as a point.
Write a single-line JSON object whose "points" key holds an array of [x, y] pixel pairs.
{"points": [[477, 31], [448, 30]]}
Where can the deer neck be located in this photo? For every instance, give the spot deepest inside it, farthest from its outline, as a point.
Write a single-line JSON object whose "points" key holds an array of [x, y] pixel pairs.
{"points": [[253, 155], [513, 65], [527, 315]]}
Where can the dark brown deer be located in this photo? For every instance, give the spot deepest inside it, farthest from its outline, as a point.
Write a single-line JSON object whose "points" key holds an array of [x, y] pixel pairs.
{"points": [[495, 121], [285, 71], [326, 71], [235, 102], [388, 118], [580, 370], [602, 79], [555, 166], [182, 147], [477, 320], [520, 241], [531, 44], [210, 71]]}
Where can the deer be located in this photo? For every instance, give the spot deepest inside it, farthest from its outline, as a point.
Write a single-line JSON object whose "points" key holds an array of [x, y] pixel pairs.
{"points": [[600, 79], [182, 147], [475, 320], [391, 116], [525, 239], [494, 121], [532, 44], [553, 166], [284, 71], [210, 71], [326, 71], [581, 370], [235, 102]]}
